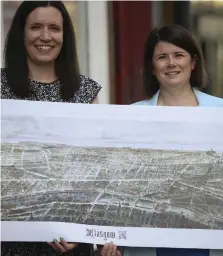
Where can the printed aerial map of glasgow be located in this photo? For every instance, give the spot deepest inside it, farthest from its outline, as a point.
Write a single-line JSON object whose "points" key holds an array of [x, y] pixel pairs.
{"points": [[112, 186], [134, 175]]}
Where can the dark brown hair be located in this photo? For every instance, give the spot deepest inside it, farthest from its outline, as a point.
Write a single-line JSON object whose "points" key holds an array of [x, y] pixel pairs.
{"points": [[66, 64], [182, 38]]}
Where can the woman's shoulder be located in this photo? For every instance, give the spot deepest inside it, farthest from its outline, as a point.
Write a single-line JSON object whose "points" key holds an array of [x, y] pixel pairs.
{"points": [[88, 90], [4, 81], [3, 75], [88, 83], [147, 102], [206, 100], [6, 92]]}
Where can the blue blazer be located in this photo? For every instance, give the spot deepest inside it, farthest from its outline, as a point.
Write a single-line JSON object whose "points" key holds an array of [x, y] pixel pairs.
{"points": [[203, 99]]}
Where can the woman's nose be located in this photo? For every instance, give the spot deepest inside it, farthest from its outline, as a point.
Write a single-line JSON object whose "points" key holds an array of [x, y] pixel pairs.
{"points": [[171, 61], [45, 35]]}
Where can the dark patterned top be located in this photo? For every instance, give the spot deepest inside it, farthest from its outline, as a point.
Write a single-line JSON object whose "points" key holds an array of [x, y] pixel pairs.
{"points": [[87, 92], [41, 249]]}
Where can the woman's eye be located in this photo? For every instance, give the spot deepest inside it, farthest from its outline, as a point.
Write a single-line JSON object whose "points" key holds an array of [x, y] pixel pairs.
{"points": [[162, 57], [35, 27], [55, 29]]}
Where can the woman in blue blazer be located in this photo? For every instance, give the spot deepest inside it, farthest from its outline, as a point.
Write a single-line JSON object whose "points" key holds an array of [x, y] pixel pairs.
{"points": [[174, 71], [173, 75]]}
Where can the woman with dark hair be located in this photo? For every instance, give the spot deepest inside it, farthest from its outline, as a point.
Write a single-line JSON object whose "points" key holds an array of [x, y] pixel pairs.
{"points": [[173, 75], [41, 65], [41, 58], [174, 71]]}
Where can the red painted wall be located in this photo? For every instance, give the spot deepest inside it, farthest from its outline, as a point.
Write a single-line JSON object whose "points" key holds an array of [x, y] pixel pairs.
{"points": [[132, 23]]}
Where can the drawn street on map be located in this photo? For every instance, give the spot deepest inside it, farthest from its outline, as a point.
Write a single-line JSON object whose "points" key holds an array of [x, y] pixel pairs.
{"points": [[112, 186]]}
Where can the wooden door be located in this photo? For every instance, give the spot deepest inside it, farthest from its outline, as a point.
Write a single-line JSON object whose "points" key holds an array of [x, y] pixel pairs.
{"points": [[132, 23]]}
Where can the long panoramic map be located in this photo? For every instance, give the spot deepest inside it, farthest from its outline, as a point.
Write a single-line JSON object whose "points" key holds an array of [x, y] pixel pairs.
{"points": [[112, 186], [134, 175]]}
